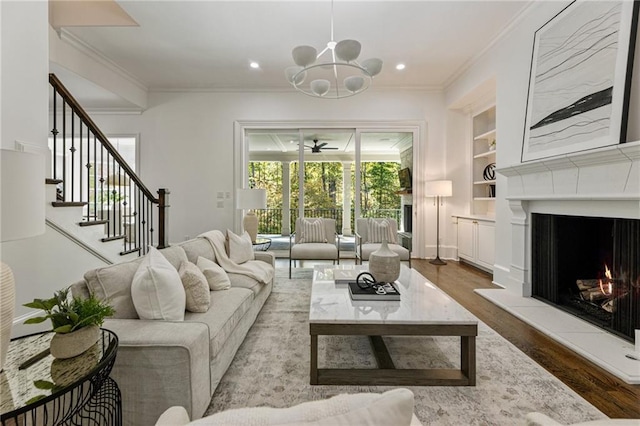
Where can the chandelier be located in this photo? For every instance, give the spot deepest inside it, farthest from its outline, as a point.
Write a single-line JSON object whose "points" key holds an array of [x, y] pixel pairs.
{"points": [[338, 76]]}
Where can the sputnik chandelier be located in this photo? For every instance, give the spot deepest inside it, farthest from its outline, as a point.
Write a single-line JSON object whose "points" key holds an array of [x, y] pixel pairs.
{"points": [[339, 76]]}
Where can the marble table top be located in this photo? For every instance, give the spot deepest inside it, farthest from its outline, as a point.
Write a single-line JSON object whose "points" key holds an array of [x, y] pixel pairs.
{"points": [[421, 302]]}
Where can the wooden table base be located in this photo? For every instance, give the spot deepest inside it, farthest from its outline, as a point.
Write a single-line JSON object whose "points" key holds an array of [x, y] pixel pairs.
{"points": [[386, 373]]}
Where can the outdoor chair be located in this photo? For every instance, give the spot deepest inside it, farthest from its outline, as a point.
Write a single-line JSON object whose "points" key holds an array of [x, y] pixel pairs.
{"points": [[314, 239], [369, 235]]}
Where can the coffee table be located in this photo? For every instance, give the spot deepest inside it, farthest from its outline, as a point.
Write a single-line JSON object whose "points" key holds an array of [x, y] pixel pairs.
{"points": [[424, 310]]}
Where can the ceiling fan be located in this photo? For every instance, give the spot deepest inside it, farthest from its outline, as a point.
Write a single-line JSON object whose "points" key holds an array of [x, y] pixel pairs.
{"points": [[318, 147]]}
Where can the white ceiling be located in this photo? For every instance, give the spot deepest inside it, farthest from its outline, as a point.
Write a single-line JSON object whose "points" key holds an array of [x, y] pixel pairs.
{"points": [[208, 44]]}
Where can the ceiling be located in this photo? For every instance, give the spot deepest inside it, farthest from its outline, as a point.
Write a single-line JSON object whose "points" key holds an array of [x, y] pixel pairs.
{"points": [[207, 45]]}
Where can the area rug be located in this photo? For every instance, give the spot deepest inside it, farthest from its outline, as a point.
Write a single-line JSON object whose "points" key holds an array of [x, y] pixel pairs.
{"points": [[271, 369]]}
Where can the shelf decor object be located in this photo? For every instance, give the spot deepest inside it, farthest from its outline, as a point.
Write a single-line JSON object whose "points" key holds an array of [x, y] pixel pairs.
{"points": [[438, 189], [251, 199], [580, 79], [339, 76], [22, 203]]}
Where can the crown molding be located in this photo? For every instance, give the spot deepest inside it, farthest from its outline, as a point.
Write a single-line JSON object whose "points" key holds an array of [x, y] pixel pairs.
{"points": [[99, 57], [502, 34], [237, 89]]}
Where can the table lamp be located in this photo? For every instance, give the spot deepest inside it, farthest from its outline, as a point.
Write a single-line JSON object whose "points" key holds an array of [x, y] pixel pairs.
{"points": [[438, 189], [22, 204], [251, 199]]}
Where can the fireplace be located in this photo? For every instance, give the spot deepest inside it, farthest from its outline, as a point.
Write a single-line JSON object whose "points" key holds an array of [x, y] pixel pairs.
{"points": [[590, 267]]}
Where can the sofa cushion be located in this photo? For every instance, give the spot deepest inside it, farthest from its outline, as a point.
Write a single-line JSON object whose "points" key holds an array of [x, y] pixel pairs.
{"points": [[215, 275], [243, 281], [378, 230], [240, 247], [175, 255], [315, 251], [394, 407], [113, 284], [196, 287], [312, 231], [157, 290], [226, 310], [196, 248]]}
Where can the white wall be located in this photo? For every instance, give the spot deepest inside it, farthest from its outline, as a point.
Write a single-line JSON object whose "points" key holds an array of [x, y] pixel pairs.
{"points": [[509, 62], [187, 141]]}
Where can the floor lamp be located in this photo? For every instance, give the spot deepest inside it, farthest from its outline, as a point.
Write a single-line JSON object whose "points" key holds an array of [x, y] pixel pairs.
{"points": [[251, 199], [438, 189], [22, 205]]}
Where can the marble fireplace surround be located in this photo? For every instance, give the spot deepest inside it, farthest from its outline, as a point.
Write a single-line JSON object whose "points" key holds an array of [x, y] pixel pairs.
{"points": [[603, 182]]}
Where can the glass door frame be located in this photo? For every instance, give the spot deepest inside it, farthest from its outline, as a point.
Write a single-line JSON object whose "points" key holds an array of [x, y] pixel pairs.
{"points": [[417, 128]]}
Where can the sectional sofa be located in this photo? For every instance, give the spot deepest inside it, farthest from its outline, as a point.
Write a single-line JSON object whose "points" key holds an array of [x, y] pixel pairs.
{"points": [[167, 363]]}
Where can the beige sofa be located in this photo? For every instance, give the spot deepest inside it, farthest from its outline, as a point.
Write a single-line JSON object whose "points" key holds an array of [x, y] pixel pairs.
{"points": [[163, 363], [392, 408]]}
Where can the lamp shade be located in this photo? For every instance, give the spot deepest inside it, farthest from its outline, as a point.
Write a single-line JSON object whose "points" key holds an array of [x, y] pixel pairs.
{"points": [[251, 199], [22, 199], [441, 188]]}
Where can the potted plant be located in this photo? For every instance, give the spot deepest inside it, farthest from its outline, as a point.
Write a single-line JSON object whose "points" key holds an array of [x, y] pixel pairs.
{"points": [[76, 321], [492, 145]]}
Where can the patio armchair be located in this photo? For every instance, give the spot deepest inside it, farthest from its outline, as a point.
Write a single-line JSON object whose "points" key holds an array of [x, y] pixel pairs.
{"points": [[369, 235], [314, 239]]}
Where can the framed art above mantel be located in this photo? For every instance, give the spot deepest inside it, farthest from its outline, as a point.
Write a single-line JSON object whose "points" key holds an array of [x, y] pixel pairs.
{"points": [[580, 79]]}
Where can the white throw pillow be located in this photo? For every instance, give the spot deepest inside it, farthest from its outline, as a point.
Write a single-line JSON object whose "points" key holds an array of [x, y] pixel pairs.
{"points": [[215, 275], [379, 230], [157, 290], [240, 247], [196, 287], [312, 231], [394, 407]]}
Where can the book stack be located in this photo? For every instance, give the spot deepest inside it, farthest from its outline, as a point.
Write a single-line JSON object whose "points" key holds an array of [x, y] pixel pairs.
{"points": [[390, 292], [346, 276]]}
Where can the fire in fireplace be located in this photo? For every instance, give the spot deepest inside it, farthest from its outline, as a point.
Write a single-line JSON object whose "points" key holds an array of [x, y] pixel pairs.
{"points": [[589, 267]]}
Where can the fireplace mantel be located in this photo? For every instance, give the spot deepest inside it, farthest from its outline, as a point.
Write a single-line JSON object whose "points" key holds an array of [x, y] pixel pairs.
{"points": [[609, 173], [603, 182]]}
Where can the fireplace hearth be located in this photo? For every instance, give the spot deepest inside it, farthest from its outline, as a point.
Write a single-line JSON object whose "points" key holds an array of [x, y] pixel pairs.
{"points": [[590, 267]]}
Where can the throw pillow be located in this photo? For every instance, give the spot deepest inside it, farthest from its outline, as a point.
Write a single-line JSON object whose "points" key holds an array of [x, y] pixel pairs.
{"points": [[240, 247], [379, 230], [394, 407], [215, 275], [312, 231], [156, 289], [196, 287]]}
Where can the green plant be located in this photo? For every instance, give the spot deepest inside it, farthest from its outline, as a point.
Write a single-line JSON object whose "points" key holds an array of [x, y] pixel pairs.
{"points": [[70, 314]]}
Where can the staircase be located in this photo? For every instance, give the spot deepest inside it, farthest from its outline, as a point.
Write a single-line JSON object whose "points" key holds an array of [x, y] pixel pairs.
{"points": [[93, 196]]}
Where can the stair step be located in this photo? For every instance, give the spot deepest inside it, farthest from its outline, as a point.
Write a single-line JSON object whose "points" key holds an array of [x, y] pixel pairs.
{"points": [[124, 253], [69, 203], [93, 222], [114, 238], [50, 181]]}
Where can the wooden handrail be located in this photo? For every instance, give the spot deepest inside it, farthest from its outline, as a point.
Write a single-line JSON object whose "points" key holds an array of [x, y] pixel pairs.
{"points": [[79, 111]]}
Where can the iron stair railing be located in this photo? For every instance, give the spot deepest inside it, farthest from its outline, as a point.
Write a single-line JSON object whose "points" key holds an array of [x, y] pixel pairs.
{"points": [[90, 172]]}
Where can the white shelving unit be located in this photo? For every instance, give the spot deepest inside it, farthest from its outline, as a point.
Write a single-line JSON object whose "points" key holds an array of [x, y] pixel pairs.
{"points": [[484, 154]]}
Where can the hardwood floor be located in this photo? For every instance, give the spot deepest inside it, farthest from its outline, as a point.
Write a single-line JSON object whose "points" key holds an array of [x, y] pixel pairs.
{"points": [[609, 394]]}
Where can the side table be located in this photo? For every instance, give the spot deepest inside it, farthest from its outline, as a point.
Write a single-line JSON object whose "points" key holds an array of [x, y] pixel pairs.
{"points": [[81, 390], [262, 244]]}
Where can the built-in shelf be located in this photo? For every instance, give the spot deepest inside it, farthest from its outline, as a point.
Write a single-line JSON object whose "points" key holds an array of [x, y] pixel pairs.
{"points": [[485, 182], [484, 198], [485, 135], [485, 154]]}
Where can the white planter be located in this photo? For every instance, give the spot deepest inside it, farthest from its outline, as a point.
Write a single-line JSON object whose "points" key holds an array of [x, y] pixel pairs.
{"points": [[68, 345]]}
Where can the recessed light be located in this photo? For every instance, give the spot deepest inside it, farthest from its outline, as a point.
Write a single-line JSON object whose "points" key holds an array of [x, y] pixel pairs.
{"points": [[400, 67], [254, 65]]}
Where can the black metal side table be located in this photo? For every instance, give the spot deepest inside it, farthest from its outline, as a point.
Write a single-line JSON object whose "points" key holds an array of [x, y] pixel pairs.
{"points": [[81, 391]]}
